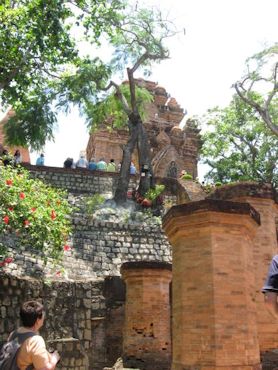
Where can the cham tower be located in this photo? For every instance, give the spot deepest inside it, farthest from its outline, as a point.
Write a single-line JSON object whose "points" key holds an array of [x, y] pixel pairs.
{"points": [[173, 149], [25, 155]]}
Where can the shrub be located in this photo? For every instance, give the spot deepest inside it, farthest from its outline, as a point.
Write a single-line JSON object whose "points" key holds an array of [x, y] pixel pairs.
{"points": [[187, 176], [153, 193], [94, 202], [218, 183], [35, 213]]}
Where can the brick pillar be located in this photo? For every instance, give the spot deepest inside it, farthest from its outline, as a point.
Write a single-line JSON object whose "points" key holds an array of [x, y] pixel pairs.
{"points": [[265, 247], [147, 341], [214, 313], [262, 197]]}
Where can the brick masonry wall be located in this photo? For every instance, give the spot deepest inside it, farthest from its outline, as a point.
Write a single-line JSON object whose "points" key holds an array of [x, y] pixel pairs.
{"points": [[214, 313], [264, 200]]}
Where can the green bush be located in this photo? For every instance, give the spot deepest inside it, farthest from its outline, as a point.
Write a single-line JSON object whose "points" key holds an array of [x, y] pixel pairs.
{"points": [[218, 183], [187, 176], [94, 202], [37, 214], [153, 193]]}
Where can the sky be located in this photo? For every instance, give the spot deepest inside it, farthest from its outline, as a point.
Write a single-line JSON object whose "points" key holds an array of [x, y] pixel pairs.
{"points": [[204, 62]]}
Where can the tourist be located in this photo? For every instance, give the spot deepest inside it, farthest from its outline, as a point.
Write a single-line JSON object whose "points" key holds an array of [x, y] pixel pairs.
{"points": [[82, 162], [270, 289], [40, 160], [132, 169], [17, 157], [111, 167], [68, 163], [33, 350], [92, 164], [101, 165]]}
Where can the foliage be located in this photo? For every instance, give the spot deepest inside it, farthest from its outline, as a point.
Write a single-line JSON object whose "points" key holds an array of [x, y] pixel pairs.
{"points": [[187, 176], [110, 109], [40, 47], [218, 183], [261, 78], [35, 213], [43, 69], [94, 202], [238, 146], [153, 193]]}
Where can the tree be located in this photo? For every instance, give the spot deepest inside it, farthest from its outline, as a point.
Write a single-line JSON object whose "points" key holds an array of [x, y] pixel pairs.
{"points": [[138, 41], [238, 146], [37, 43], [262, 70]]}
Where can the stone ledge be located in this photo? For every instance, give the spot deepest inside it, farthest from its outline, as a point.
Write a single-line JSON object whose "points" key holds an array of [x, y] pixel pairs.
{"points": [[146, 265], [212, 205], [246, 188]]}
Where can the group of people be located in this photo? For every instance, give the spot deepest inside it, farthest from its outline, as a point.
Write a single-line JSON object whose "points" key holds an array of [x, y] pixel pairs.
{"points": [[8, 159], [94, 165]]}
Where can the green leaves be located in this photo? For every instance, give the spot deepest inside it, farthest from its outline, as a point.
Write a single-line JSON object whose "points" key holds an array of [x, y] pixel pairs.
{"points": [[35, 213], [39, 43], [238, 146], [42, 68], [261, 78], [110, 111]]}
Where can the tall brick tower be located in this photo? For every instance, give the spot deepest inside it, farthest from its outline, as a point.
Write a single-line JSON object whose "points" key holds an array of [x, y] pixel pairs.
{"points": [[172, 148]]}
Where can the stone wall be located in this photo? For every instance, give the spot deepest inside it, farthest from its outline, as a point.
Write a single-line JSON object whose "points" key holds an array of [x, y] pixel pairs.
{"points": [[78, 180], [98, 248], [83, 181], [85, 304], [74, 317]]}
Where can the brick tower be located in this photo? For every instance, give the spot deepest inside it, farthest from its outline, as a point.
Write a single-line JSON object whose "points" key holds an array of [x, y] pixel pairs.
{"points": [[173, 149]]}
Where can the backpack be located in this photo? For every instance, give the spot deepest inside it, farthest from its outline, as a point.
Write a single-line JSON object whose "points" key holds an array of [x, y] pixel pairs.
{"points": [[10, 350]]}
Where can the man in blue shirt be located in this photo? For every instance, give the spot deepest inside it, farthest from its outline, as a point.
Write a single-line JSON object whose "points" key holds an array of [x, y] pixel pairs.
{"points": [[40, 160], [92, 165]]}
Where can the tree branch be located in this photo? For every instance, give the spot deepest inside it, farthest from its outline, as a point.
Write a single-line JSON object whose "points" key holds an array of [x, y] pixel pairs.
{"points": [[119, 95]]}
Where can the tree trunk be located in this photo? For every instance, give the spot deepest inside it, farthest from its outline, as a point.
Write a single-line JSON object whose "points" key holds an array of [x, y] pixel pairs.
{"points": [[145, 165], [122, 186]]}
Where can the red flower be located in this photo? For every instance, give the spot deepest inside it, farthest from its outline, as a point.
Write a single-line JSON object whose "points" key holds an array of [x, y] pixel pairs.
{"points": [[53, 214], [58, 273], [67, 248], [33, 209], [21, 195], [6, 219], [9, 182], [26, 222], [10, 209], [8, 260]]}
